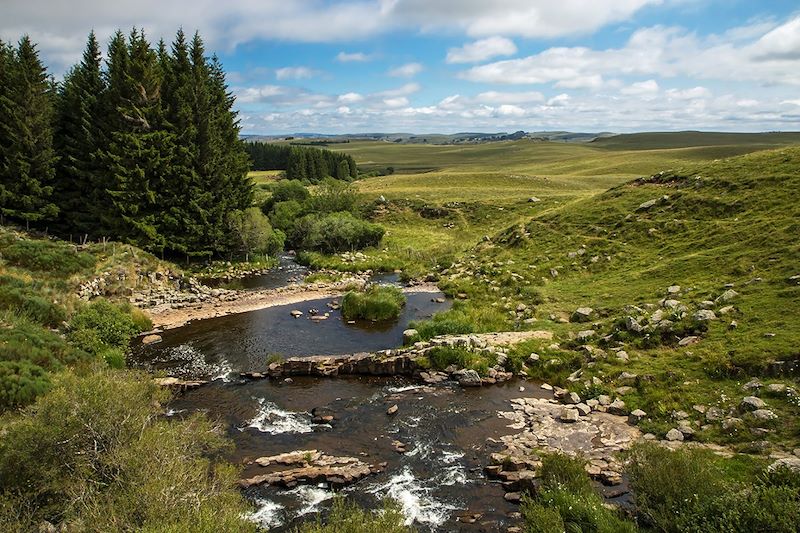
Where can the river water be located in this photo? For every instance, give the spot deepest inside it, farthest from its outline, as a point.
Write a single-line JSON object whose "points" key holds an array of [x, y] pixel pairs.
{"points": [[445, 428]]}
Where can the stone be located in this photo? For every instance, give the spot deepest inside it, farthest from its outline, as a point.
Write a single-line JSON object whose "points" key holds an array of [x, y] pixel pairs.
{"points": [[636, 416], [617, 407], [604, 399], [704, 315], [673, 289], [686, 341], [533, 358], [726, 310], [569, 415], [151, 339], [572, 398], [776, 388], [764, 414], [792, 463], [753, 384], [644, 206], [468, 378], [727, 296], [296, 313], [631, 324], [586, 334], [732, 423], [392, 410], [513, 497], [751, 403], [583, 409], [582, 314], [533, 200], [674, 435], [409, 335]]}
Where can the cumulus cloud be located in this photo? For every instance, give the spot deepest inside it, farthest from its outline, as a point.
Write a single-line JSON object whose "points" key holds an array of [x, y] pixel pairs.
{"points": [[359, 57], [295, 73], [482, 50], [61, 27], [770, 58], [645, 89], [409, 70]]}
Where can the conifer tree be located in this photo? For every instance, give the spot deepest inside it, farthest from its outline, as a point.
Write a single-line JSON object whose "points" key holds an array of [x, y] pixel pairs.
{"points": [[77, 137], [27, 158], [138, 154]]}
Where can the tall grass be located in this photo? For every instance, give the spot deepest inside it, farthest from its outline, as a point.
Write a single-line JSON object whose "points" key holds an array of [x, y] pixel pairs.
{"points": [[378, 302]]}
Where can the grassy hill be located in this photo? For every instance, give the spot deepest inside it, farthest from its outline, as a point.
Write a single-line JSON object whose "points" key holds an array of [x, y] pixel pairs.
{"points": [[728, 225]]}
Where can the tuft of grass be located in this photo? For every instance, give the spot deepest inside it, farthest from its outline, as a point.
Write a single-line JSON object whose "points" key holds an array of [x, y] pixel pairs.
{"points": [[378, 302], [348, 517]]}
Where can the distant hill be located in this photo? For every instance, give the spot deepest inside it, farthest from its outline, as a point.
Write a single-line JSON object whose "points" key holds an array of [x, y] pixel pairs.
{"points": [[687, 139]]}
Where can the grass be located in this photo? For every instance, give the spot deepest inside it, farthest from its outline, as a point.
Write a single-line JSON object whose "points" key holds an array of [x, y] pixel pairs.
{"points": [[378, 302]]}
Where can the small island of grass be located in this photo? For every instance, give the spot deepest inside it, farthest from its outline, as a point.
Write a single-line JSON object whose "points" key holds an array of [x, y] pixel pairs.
{"points": [[378, 302]]}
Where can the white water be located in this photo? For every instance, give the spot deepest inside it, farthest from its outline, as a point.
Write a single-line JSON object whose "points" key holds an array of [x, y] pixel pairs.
{"points": [[310, 498], [274, 420], [415, 499], [268, 515]]}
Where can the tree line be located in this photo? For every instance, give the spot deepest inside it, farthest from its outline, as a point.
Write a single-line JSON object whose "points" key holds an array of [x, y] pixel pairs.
{"points": [[142, 146], [304, 163]]}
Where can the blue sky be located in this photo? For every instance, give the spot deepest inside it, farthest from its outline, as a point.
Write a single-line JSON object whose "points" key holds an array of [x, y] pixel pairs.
{"points": [[469, 65]]}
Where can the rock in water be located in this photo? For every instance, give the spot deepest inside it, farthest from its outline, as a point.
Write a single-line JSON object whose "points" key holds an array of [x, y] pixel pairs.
{"points": [[468, 378], [392, 410], [151, 339]]}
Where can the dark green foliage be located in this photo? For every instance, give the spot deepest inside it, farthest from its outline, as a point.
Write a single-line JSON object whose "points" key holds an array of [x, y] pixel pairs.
{"points": [[686, 490], [27, 158], [347, 517], [77, 138], [23, 340], [336, 232], [333, 196], [378, 302], [53, 258], [302, 163], [568, 502], [93, 454], [253, 233], [284, 191], [20, 383], [27, 299], [284, 215], [102, 325]]}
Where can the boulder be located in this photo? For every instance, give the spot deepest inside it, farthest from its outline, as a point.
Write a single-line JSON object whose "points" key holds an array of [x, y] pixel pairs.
{"points": [[674, 435], [617, 407], [468, 378], [636, 416], [631, 324], [751, 403], [586, 334], [151, 339], [686, 341], [569, 415], [764, 415], [409, 335], [727, 296], [704, 315], [582, 314], [392, 410]]}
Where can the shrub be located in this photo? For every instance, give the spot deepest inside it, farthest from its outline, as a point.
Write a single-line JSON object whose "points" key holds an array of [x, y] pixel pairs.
{"points": [[568, 502], [26, 341], [102, 325], [284, 214], [346, 517], [252, 233], [335, 232], [26, 299], [333, 196], [20, 383], [48, 257], [93, 454], [378, 302]]}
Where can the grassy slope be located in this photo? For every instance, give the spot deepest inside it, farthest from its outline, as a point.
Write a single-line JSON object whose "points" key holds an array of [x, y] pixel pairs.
{"points": [[736, 223]]}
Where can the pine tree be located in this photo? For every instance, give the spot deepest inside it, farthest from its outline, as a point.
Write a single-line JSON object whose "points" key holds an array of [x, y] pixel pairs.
{"points": [[138, 154], [76, 140], [27, 158]]}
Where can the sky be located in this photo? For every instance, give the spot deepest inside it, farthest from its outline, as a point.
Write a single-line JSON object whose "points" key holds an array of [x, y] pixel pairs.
{"points": [[425, 66]]}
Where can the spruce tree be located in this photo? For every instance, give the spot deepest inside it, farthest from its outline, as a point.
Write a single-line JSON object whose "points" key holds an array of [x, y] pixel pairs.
{"points": [[27, 158], [76, 141], [138, 154]]}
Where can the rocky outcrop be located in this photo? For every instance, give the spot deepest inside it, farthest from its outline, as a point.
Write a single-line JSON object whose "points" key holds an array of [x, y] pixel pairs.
{"points": [[178, 384], [310, 466]]}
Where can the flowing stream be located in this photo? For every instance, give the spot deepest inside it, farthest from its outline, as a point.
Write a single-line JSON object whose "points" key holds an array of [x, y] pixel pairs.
{"points": [[445, 428]]}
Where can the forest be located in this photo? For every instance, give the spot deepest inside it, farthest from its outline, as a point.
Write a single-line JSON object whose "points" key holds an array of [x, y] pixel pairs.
{"points": [[141, 147], [307, 164]]}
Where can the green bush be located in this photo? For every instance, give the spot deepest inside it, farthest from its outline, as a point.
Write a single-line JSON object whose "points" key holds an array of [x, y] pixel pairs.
{"points": [[283, 215], [20, 383], [23, 340], [686, 490], [346, 517], [335, 232], [285, 191], [103, 324], [25, 299], [48, 257], [93, 455], [568, 502], [378, 302], [442, 324]]}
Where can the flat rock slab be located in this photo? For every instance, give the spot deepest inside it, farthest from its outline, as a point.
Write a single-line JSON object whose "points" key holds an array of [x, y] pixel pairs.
{"points": [[310, 466]]}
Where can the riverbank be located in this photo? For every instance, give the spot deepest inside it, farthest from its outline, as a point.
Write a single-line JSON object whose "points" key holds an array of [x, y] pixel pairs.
{"points": [[172, 314]]}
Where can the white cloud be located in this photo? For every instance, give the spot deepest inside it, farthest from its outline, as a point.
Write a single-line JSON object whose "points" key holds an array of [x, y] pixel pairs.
{"points": [[404, 90], [409, 70], [495, 97], [560, 100], [663, 52], [256, 94], [688, 94], [398, 101], [61, 27], [345, 57], [295, 73], [644, 89], [482, 50], [350, 98]]}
